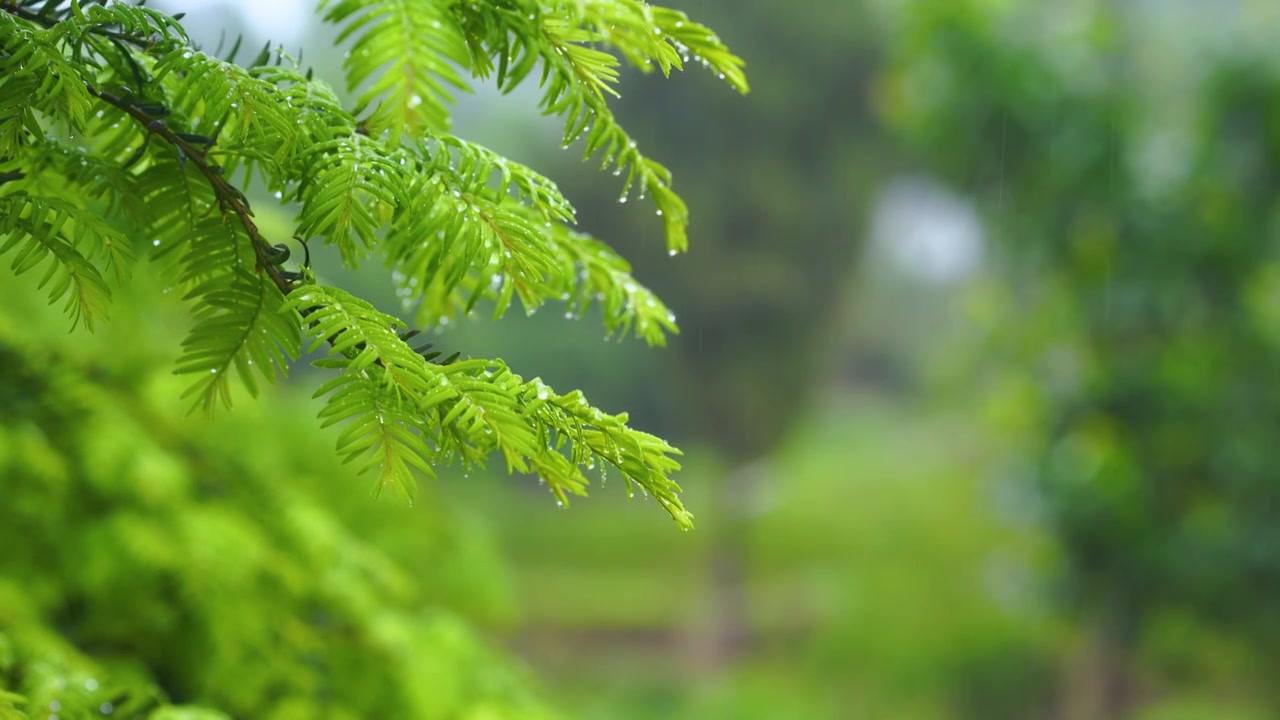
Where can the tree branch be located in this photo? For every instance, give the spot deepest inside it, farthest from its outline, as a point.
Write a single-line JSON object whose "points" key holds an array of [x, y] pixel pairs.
{"points": [[229, 196]]}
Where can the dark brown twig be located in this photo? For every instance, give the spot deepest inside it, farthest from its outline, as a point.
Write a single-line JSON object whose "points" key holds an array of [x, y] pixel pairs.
{"points": [[229, 197]]}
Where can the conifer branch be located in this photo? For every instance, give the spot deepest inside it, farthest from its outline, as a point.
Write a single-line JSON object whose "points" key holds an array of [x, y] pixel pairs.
{"points": [[229, 196], [454, 221]]}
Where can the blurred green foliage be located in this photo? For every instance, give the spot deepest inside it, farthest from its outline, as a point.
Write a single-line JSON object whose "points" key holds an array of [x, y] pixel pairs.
{"points": [[1129, 188], [223, 560]]}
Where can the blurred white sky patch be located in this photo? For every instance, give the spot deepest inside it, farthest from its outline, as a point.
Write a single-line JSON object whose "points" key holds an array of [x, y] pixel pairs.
{"points": [[283, 21], [927, 231]]}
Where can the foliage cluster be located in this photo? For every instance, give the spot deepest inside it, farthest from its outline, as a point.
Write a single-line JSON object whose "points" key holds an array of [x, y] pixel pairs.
{"points": [[121, 140], [169, 569], [162, 568], [1132, 338]]}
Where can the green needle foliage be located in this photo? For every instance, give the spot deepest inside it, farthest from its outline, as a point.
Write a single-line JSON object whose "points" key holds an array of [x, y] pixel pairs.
{"points": [[121, 141]]}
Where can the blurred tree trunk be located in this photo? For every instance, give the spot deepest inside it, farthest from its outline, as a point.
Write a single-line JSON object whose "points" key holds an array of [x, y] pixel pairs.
{"points": [[1100, 682]]}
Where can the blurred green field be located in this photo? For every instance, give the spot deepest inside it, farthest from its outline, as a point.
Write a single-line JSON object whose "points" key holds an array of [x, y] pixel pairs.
{"points": [[889, 566]]}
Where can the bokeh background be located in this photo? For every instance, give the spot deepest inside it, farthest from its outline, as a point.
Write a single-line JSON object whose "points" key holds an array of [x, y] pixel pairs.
{"points": [[978, 378]]}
